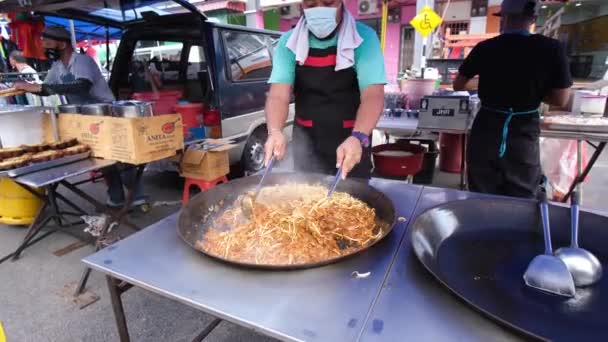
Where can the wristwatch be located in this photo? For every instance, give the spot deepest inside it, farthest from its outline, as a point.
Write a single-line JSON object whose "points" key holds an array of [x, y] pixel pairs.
{"points": [[362, 137]]}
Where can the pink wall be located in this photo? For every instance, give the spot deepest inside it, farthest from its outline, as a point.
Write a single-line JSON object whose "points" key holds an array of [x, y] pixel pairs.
{"points": [[393, 33]]}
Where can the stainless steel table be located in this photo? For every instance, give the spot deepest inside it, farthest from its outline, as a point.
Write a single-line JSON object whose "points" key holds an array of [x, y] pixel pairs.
{"points": [[320, 304], [413, 306], [54, 175], [50, 180], [583, 172]]}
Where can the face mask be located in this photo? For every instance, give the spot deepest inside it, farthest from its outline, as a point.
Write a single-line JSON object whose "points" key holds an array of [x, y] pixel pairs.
{"points": [[321, 21], [52, 54]]}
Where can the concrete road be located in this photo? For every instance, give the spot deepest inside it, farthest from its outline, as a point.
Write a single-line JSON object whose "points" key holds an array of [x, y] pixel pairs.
{"points": [[35, 298]]}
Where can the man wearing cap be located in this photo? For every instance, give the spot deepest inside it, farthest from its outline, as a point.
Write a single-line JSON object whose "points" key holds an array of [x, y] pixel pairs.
{"points": [[517, 71], [74, 75], [335, 68], [78, 78]]}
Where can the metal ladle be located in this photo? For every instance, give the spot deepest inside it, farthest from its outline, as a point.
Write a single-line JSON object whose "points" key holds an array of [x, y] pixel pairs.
{"points": [[547, 272], [249, 198], [585, 268]]}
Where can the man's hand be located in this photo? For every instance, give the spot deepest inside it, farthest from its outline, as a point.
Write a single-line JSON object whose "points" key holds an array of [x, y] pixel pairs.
{"points": [[276, 144], [348, 155], [28, 87]]}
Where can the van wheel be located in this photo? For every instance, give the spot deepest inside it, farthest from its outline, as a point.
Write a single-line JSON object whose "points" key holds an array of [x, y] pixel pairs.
{"points": [[253, 155]]}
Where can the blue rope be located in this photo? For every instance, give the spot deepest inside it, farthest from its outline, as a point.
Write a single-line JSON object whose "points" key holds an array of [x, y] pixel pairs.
{"points": [[505, 128]]}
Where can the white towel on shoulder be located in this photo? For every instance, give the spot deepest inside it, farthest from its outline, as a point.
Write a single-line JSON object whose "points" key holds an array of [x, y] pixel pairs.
{"points": [[348, 40]]}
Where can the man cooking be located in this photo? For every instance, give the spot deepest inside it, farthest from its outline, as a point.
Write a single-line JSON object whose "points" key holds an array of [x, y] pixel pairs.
{"points": [[517, 71], [335, 68], [78, 78]]}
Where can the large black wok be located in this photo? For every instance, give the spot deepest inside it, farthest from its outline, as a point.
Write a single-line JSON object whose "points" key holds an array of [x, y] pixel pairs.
{"points": [[197, 216], [480, 249]]}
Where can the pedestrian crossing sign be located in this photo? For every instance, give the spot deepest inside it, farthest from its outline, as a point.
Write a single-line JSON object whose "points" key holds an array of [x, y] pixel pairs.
{"points": [[426, 21]]}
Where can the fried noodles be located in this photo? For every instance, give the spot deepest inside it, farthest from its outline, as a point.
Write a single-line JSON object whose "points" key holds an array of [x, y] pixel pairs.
{"points": [[293, 224]]}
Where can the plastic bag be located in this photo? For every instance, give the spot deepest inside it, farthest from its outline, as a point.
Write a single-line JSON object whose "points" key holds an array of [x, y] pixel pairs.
{"points": [[558, 158]]}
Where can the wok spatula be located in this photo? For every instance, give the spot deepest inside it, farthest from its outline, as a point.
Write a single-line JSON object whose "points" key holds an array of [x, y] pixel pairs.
{"points": [[248, 199], [547, 272]]}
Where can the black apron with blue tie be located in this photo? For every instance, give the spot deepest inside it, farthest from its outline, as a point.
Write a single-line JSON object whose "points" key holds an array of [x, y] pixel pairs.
{"points": [[503, 152]]}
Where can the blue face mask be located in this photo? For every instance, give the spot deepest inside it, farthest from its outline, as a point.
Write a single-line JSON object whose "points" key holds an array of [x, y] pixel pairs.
{"points": [[321, 21]]}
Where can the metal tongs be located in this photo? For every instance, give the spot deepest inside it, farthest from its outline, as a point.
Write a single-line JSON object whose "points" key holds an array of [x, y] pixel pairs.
{"points": [[334, 185], [249, 198]]}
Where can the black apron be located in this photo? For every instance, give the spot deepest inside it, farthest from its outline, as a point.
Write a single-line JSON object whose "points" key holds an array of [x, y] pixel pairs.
{"points": [[503, 153], [326, 108]]}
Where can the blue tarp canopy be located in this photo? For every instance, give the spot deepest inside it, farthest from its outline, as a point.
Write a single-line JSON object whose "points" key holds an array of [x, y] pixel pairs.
{"points": [[84, 30]]}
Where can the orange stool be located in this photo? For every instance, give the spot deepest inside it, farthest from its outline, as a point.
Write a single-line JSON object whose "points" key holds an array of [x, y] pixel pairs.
{"points": [[201, 184]]}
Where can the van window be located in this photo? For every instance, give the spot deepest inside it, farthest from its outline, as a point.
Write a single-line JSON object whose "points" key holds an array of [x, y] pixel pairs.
{"points": [[249, 54], [196, 62], [155, 64]]}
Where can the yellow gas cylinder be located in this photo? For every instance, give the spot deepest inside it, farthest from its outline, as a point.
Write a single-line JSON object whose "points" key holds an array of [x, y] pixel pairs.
{"points": [[17, 205]]}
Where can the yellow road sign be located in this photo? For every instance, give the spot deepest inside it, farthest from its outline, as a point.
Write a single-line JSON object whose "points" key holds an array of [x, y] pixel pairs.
{"points": [[426, 21]]}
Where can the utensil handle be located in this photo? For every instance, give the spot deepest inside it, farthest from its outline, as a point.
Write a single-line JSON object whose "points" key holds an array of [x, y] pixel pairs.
{"points": [[544, 213], [268, 168], [335, 183], [574, 218]]}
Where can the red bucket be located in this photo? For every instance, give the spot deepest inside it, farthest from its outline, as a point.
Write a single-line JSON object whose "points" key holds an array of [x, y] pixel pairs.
{"points": [[399, 160], [450, 152], [192, 115], [163, 101]]}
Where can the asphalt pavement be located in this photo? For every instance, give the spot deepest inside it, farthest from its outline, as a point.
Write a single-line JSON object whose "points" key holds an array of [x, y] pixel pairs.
{"points": [[36, 302]]}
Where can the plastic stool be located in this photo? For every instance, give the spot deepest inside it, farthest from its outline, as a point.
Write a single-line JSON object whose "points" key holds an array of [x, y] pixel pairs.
{"points": [[201, 184]]}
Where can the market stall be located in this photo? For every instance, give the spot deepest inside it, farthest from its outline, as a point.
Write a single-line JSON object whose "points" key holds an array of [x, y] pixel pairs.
{"points": [[382, 294], [70, 145], [589, 130]]}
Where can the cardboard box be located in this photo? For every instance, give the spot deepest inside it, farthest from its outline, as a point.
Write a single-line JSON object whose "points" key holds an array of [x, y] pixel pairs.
{"points": [[209, 164], [128, 140]]}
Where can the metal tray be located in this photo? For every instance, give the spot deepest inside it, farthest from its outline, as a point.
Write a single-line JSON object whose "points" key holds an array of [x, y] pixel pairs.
{"points": [[574, 128], [45, 165], [479, 249]]}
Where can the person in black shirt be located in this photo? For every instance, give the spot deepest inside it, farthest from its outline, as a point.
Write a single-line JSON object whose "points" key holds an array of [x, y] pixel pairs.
{"points": [[517, 71]]}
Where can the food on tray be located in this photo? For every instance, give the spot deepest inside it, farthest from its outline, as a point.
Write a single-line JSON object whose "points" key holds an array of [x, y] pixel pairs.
{"points": [[63, 144], [46, 156], [15, 162], [75, 149], [36, 148], [576, 120], [11, 152], [293, 224]]}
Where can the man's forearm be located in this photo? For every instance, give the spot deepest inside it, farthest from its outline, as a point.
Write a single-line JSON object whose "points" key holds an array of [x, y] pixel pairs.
{"points": [[78, 86], [370, 109], [277, 108]]}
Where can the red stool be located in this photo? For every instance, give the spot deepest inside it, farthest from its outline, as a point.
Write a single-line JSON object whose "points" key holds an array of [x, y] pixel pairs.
{"points": [[201, 184]]}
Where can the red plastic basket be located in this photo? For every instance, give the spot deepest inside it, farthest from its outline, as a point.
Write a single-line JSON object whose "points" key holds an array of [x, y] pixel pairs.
{"points": [[398, 165], [163, 101]]}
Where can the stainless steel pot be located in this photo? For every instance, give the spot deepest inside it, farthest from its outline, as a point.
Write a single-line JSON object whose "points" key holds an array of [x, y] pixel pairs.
{"points": [[69, 108], [132, 109], [100, 109]]}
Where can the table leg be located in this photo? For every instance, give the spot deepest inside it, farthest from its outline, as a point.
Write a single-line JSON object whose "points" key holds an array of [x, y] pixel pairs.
{"points": [[33, 230], [117, 307], [463, 168], [51, 193], [579, 169], [200, 337], [581, 177], [70, 204], [104, 231]]}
